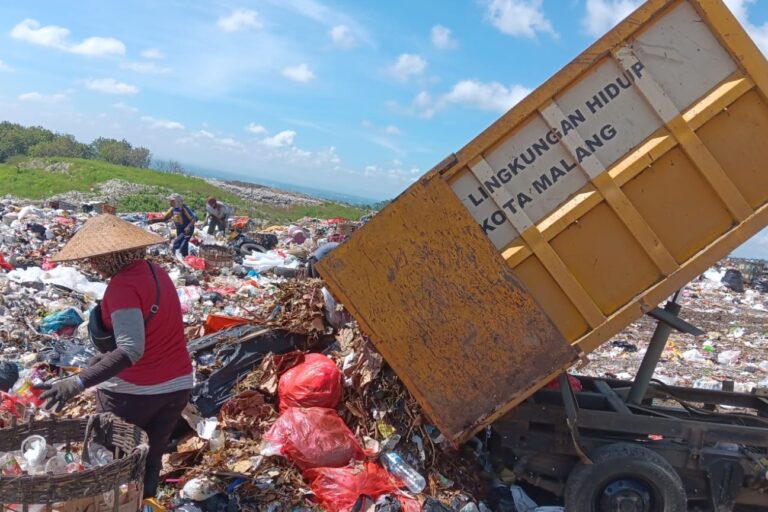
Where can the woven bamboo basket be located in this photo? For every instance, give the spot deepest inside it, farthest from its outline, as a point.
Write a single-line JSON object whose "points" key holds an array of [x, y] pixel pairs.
{"points": [[70, 492], [217, 256]]}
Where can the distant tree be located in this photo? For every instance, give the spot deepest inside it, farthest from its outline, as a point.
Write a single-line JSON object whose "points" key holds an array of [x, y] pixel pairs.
{"points": [[61, 145], [380, 205], [171, 166], [140, 157], [121, 152], [16, 139], [111, 150]]}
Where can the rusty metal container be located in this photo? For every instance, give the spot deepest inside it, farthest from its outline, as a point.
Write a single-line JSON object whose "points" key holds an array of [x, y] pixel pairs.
{"points": [[616, 182]]}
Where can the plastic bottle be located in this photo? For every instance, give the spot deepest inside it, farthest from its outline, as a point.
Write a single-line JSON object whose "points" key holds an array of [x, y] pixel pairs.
{"points": [[404, 472], [100, 456]]}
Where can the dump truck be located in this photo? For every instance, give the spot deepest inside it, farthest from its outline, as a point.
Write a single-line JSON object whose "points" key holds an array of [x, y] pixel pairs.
{"points": [[592, 201]]}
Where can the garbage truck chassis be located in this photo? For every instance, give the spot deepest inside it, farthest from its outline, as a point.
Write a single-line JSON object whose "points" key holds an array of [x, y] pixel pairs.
{"points": [[721, 459], [641, 446]]}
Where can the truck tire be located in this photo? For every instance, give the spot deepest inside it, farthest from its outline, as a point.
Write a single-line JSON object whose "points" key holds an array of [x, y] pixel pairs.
{"points": [[625, 477], [247, 248]]}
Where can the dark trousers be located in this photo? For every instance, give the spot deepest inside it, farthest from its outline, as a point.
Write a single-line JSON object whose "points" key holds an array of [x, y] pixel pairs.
{"points": [[181, 244], [214, 224], [157, 415]]}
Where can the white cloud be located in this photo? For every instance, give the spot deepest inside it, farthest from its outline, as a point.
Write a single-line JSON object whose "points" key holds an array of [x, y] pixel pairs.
{"points": [[602, 15], [407, 66], [282, 139], [300, 73], [52, 36], [155, 123], [342, 36], [206, 134], [5, 67], [125, 108], [97, 46], [152, 53], [397, 172], [759, 33], [37, 97], [146, 68], [110, 86], [256, 129], [230, 142], [523, 18], [442, 39], [490, 96], [240, 19], [392, 130]]}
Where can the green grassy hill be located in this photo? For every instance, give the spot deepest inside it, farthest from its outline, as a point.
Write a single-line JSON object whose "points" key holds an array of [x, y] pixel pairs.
{"points": [[19, 180]]}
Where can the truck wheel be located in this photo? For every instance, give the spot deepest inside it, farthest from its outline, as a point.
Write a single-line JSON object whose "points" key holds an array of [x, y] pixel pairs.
{"points": [[625, 478]]}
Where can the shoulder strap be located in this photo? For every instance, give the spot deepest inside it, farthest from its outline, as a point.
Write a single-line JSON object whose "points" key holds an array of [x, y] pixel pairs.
{"points": [[156, 306]]}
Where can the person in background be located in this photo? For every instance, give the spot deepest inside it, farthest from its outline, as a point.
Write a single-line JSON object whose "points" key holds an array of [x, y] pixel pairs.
{"points": [[143, 373], [217, 215], [184, 219]]}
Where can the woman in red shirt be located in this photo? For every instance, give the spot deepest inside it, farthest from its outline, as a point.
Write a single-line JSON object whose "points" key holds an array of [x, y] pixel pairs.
{"points": [[144, 373]]}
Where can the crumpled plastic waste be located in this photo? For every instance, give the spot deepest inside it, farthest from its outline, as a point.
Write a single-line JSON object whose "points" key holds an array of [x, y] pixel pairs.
{"points": [[195, 262], [263, 261], [57, 321], [67, 277], [9, 374], [4, 264]]}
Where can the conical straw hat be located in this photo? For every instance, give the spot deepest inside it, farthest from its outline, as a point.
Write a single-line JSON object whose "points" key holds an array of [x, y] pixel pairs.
{"points": [[105, 234]]}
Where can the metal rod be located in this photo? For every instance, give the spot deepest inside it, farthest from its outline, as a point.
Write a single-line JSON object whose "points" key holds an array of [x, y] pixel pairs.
{"points": [[652, 355]]}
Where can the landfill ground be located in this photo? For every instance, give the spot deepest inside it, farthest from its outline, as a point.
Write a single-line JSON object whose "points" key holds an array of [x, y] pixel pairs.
{"points": [[228, 454]]}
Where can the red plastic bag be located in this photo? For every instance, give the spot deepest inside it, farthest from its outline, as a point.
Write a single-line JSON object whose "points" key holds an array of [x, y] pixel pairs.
{"points": [[316, 382], [573, 381], [312, 438], [4, 264], [48, 265], [195, 262], [337, 489]]}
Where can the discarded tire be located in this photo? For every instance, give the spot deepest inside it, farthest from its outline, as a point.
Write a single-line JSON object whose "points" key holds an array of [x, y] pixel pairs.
{"points": [[625, 477]]}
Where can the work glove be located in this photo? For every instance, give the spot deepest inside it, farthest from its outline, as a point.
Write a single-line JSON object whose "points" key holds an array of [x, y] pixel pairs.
{"points": [[60, 392]]}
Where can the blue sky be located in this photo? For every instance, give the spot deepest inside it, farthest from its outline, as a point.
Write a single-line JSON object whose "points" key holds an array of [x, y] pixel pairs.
{"points": [[356, 97]]}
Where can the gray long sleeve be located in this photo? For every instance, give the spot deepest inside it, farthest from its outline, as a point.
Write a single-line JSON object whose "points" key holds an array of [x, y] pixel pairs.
{"points": [[128, 325]]}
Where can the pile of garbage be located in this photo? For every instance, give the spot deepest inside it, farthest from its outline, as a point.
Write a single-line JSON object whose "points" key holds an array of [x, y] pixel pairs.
{"points": [[732, 355], [292, 409], [36, 457]]}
